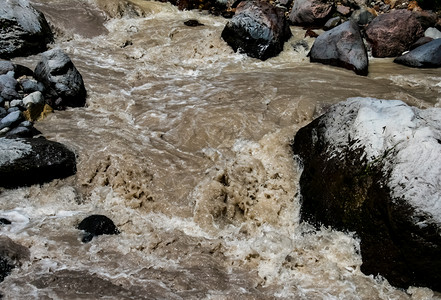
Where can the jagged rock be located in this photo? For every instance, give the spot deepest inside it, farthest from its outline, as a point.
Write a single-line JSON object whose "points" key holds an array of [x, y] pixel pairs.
{"points": [[331, 23], [362, 17], [23, 29], [63, 83], [310, 12], [425, 56], [11, 255], [257, 29], [30, 161], [393, 33], [95, 225], [8, 87], [341, 46], [372, 167]]}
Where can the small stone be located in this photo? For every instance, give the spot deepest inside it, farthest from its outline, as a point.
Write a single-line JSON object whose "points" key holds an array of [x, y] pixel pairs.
{"points": [[333, 22], [432, 33], [193, 23], [31, 85], [95, 225], [16, 103], [4, 221]]}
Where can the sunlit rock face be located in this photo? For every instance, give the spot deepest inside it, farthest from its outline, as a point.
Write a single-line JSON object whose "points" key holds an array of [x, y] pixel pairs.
{"points": [[372, 166], [23, 29]]}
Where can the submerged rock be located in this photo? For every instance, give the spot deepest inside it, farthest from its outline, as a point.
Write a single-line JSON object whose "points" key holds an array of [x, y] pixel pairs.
{"points": [[425, 56], [23, 29], [310, 12], [63, 83], [341, 46], [372, 167], [30, 161], [95, 225], [11, 256], [393, 33], [257, 29]]}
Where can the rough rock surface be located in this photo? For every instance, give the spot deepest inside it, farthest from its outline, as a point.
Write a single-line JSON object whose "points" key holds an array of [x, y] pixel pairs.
{"points": [[341, 46], [63, 83], [257, 29], [310, 12], [23, 30], [11, 255], [30, 161], [425, 56], [372, 167], [393, 33]]}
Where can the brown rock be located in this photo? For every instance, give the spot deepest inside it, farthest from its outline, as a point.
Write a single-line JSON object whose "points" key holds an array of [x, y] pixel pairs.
{"points": [[393, 33], [310, 12]]}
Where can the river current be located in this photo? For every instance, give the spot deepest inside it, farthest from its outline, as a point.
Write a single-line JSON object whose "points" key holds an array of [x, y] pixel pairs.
{"points": [[184, 144]]}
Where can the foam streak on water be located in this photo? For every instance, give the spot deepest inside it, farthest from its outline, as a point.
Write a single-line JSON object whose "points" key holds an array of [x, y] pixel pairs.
{"points": [[185, 145]]}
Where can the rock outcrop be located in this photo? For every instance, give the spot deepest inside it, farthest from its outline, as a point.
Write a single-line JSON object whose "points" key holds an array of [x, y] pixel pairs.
{"points": [[425, 56], [257, 29], [11, 255], [372, 167], [23, 29], [63, 83], [341, 46], [28, 161], [393, 33]]}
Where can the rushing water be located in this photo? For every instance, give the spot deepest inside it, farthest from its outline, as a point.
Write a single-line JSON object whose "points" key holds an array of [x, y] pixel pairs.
{"points": [[185, 145]]}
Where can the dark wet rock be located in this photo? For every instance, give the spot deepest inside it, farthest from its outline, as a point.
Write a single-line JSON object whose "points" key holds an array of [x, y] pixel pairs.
{"points": [[216, 7], [22, 132], [95, 225], [24, 162], [8, 87], [193, 23], [63, 83], [425, 56], [342, 47], [257, 29], [310, 12], [421, 41], [31, 85], [393, 33], [4, 221], [23, 29], [11, 255], [3, 113], [333, 22], [6, 66], [362, 17], [368, 168], [12, 119], [426, 18], [311, 33]]}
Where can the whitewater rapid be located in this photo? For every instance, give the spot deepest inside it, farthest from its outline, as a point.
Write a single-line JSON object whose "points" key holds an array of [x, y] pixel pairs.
{"points": [[184, 144]]}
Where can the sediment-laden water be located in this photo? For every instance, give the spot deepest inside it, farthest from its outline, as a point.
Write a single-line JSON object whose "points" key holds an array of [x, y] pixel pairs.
{"points": [[185, 145]]}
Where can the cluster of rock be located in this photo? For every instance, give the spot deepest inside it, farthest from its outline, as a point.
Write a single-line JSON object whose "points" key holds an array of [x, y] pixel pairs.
{"points": [[372, 167], [352, 29], [27, 96]]}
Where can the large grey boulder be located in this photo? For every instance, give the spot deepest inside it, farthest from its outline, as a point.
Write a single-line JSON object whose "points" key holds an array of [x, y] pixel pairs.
{"points": [[425, 56], [23, 29], [373, 167], [341, 46], [30, 161], [393, 33], [257, 29], [63, 83], [311, 12]]}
